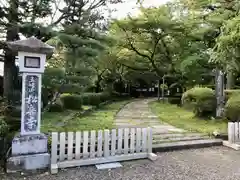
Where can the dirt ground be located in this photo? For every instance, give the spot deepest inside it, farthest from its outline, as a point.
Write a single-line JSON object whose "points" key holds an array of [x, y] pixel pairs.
{"points": [[217, 163]]}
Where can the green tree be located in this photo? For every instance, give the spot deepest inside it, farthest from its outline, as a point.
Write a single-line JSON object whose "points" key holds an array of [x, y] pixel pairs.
{"points": [[43, 19]]}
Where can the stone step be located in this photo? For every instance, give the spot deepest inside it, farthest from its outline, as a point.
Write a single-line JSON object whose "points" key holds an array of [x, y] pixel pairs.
{"points": [[177, 135], [138, 117], [137, 122], [162, 147], [177, 139], [167, 130]]}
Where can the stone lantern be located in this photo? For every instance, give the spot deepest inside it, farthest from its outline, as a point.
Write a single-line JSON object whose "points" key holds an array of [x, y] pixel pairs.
{"points": [[29, 149]]}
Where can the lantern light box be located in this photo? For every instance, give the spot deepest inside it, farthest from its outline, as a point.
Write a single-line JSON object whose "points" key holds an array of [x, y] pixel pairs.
{"points": [[31, 62]]}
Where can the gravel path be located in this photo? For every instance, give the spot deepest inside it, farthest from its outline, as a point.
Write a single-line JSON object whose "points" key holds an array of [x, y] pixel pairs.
{"points": [[218, 163]]}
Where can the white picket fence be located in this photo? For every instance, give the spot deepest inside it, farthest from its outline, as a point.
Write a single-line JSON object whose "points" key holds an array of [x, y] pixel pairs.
{"points": [[234, 132], [97, 147]]}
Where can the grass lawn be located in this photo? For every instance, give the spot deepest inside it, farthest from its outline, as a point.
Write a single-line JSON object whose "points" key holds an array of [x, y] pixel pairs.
{"points": [[181, 118], [102, 118]]}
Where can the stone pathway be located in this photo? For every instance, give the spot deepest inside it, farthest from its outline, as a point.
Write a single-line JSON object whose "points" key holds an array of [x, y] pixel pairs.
{"points": [[138, 114]]}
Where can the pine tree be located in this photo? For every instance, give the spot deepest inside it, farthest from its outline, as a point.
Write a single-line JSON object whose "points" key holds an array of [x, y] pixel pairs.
{"points": [[39, 18]]}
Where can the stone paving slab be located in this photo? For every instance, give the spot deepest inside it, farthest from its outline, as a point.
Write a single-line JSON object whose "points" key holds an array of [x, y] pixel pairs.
{"points": [[138, 114]]}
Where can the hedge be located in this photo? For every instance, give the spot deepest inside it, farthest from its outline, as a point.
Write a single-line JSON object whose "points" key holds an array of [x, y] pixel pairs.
{"points": [[231, 92], [201, 100], [174, 100], [3, 127], [73, 101], [232, 108], [57, 106], [95, 99]]}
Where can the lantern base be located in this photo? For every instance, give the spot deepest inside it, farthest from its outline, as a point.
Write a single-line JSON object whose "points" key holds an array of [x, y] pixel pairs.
{"points": [[28, 162], [29, 144], [29, 152]]}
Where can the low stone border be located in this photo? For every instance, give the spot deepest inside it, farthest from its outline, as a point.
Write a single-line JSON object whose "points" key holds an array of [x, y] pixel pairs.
{"points": [[186, 145], [231, 145]]}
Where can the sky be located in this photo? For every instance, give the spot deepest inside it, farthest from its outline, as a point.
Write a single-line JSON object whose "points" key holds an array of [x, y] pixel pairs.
{"points": [[130, 7]]}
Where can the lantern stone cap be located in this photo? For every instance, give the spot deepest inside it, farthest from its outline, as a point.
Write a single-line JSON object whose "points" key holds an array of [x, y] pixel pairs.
{"points": [[32, 45]]}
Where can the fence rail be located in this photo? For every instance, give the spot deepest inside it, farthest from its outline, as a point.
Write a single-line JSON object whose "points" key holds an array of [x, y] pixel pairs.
{"points": [[96, 147]]}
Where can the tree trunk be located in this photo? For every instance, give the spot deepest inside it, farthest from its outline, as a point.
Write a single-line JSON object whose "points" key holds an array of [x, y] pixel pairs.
{"points": [[10, 75], [163, 86], [230, 80], [158, 89], [97, 84]]}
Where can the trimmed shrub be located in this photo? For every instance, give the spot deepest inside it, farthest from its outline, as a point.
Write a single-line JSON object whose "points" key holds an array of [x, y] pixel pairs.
{"points": [[232, 108], [200, 100], [210, 86], [3, 128], [95, 99], [105, 97], [15, 112], [231, 92], [71, 101], [174, 100], [57, 106]]}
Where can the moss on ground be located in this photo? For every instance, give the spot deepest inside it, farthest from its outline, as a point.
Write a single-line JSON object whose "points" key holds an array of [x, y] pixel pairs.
{"points": [[182, 118]]}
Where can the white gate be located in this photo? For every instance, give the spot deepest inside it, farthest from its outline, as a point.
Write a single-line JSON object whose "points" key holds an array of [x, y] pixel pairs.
{"points": [[88, 148]]}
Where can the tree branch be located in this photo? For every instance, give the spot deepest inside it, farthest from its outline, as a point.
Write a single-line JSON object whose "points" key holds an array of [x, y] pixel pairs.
{"points": [[3, 45], [57, 3], [150, 58], [134, 68], [167, 52]]}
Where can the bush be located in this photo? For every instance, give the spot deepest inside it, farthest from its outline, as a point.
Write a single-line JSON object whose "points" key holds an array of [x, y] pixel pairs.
{"points": [[231, 92], [57, 106], [3, 128], [200, 100], [174, 100], [15, 112], [95, 99], [71, 101], [232, 108]]}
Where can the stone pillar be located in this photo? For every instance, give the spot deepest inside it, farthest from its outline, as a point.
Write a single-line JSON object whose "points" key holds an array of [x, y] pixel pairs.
{"points": [[30, 148], [219, 93]]}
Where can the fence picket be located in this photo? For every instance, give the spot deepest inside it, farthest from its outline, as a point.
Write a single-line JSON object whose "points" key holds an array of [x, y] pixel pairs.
{"points": [[144, 140], [120, 136], [106, 143], [113, 142], [132, 144], [235, 131], [99, 146], [132, 141], [78, 145], [62, 146], [238, 135], [93, 144], [85, 144], [126, 137], [149, 140], [54, 149], [70, 146], [138, 142]]}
